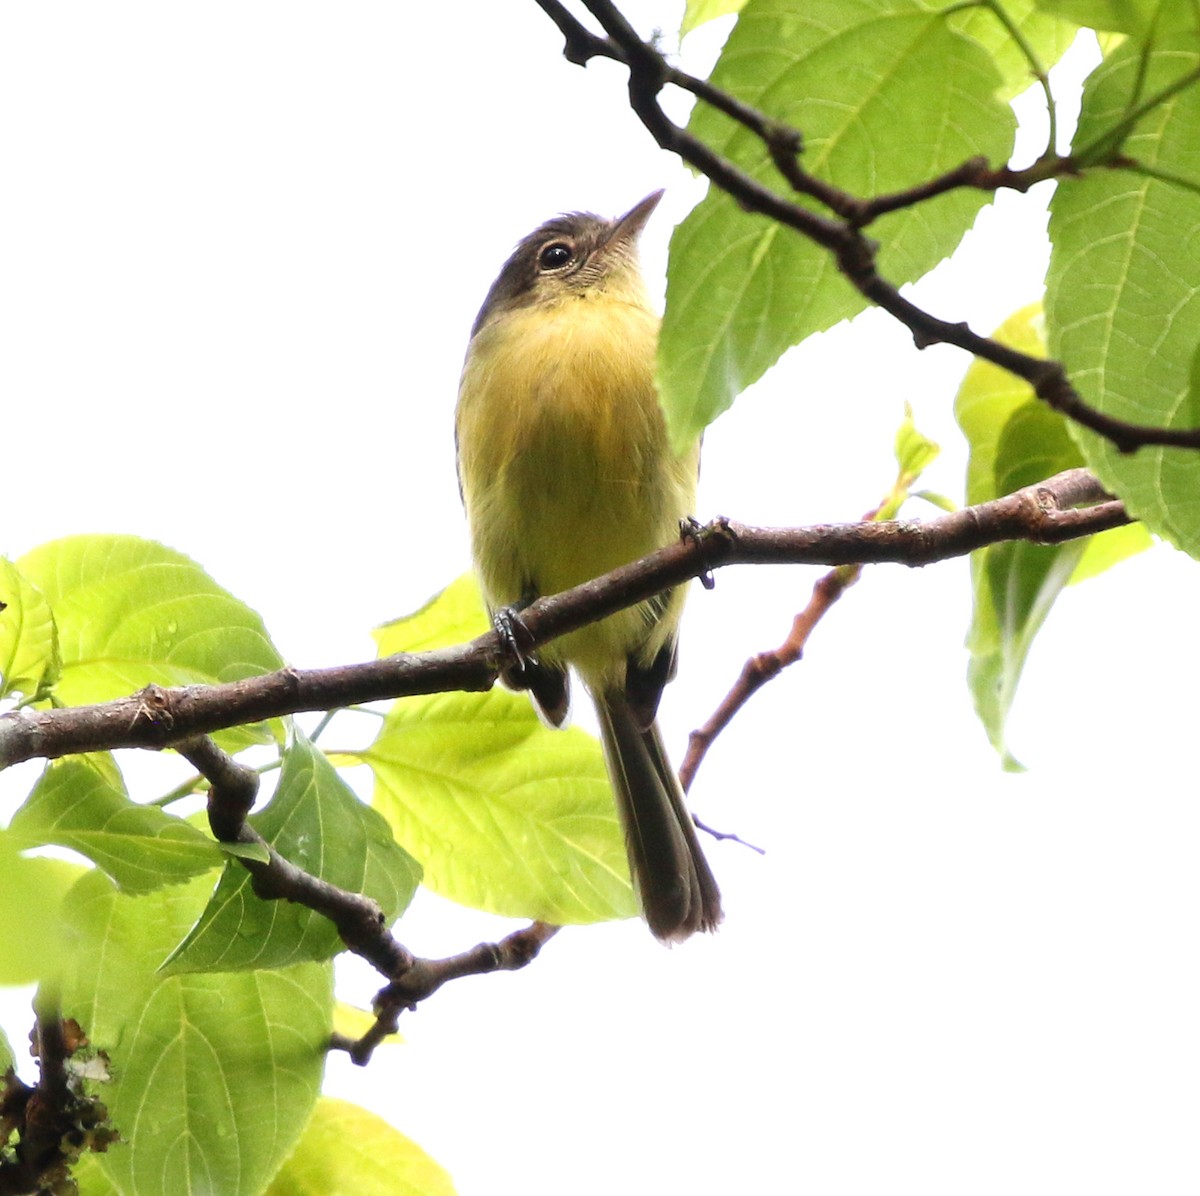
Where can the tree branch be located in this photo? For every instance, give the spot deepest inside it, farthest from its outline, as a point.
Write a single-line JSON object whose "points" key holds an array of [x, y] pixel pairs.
{"points": [[855, 254], [358, 919], [426, 976], [54, 1121], [765, 666], [156, 717]]}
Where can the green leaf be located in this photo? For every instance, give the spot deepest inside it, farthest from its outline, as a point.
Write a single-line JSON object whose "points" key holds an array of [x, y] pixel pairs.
{"points": [[886, 95], [453, 616], [1015, 440], [351, 1022], [6, 1055], [214, 1077], [1110, 548], [1139, 17], [28, 640], [915, 452], [1123, 291], [131, 612], [246, 851], [346, 1149], [31, 894], [699, 12], [91, 1179], [317, 823], [504, 814], [941, 501], [81, 803], [1047, 37]]}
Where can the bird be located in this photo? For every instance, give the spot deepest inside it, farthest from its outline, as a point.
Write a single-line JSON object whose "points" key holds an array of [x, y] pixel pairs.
{"points": [[566, 472]]}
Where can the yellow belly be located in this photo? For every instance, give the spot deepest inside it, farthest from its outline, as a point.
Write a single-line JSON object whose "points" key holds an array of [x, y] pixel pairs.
{"points": [[565, 466]]}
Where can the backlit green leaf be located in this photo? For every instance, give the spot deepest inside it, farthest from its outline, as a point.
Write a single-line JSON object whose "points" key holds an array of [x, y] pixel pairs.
{"points": [[28, 640], [503, 813], [31, 894], [346, 1149], [82, 804], [1139, 17], [1016, 440], [698, 12], [91, 1179], [453, 616], [1046, 35], [1123, 291], [915, 452], [351, 1022], [919, 100], [130, 612]]}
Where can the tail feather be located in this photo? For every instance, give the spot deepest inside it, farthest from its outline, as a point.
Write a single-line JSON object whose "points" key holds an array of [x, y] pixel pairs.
{"points": [[678, 891]]}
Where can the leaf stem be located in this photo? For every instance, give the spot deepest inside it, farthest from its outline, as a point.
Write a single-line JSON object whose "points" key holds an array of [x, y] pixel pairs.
{"points": [[1035, 65], [1163, 176]]}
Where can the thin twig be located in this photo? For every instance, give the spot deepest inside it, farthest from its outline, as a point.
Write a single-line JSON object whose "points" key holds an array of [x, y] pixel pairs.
{"points": [[764, 666], [426, 976]]}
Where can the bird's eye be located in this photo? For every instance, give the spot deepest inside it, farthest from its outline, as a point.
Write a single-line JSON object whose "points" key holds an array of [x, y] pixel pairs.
{"points": [[555, 255]]}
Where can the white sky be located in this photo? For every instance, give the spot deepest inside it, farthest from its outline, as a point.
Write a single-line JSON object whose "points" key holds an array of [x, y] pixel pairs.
{"points": [[241, 245]]}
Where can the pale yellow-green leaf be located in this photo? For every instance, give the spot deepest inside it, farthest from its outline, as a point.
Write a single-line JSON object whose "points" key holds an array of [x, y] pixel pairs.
{"points": [[503, 813], [32, 889], [1102, 552], [698, 12], [28, 638], [351, 1022], [941, 501], [348, 1151], [455, 615], [131, 612]]}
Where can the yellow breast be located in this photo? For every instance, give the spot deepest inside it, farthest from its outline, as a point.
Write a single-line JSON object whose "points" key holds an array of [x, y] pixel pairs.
{"points": [[563, 454]]}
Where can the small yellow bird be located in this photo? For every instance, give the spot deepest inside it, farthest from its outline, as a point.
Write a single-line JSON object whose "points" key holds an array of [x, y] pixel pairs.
{"points": [[566, 472]]}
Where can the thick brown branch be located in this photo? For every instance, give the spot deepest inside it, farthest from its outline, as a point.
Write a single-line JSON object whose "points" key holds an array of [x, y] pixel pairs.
{"points": [[157, 717]]}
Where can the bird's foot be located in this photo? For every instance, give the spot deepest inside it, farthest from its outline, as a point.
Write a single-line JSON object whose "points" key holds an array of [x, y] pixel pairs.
{"points": [[690, 528], [516, 641]]}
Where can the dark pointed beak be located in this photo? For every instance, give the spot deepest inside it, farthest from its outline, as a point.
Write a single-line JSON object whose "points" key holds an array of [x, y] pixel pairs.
{"points": [[629, 226]]}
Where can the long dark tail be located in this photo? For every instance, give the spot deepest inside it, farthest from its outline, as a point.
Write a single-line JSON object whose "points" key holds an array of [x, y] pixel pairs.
{"points": [[679, 894]]}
